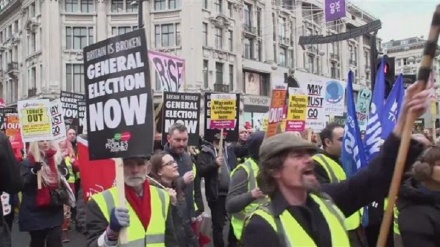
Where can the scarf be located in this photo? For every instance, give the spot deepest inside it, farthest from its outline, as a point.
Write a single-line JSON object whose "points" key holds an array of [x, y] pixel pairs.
{"points": [[140, 205], [49, 158]]}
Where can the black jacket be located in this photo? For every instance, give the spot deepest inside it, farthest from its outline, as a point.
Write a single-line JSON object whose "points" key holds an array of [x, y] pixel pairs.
{"points": [[10, 182], [369, 184], [419, 215]]}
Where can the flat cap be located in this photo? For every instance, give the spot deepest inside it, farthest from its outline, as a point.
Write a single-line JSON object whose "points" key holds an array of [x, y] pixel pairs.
{"points": [[276, 144]]}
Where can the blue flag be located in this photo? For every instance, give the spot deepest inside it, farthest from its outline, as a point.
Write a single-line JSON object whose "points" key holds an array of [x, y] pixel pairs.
{"points": [[353, 155], [373, 136], [392, 107]]}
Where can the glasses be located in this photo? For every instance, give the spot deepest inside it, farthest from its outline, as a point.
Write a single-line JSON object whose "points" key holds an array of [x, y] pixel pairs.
{"points": [[169, 163]]}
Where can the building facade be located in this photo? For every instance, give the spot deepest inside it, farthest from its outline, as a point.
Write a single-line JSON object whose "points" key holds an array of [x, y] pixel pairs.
{"points": [[408, 55], [236, 46]]}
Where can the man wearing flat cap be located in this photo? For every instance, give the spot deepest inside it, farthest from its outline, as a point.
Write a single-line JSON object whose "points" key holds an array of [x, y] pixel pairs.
{"points": [[301, 212]]}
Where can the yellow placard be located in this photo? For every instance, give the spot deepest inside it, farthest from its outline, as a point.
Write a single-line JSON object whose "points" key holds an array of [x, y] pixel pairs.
{"points": [[297, 109], [35, 122], [223, 109]]}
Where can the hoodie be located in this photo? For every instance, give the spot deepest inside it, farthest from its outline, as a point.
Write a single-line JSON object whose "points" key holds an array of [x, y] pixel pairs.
{"points": [[419, 215], [239, 196]]}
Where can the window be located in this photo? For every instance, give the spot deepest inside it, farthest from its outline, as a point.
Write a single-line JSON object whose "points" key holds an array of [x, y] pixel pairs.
{"points": [[292, 59], [16, 26], [32, 10], [122, 30], [32, 78], [32, 43], [117, 5], [205, 34], [160, 4], [41, 73], [218, 38], [218, 6], [283, 57], [230, 9], [334, 70], [258, 50], [205, 4], [79, 37], [84, 6], [259, 21], [367, 58], [310, 63], [231, 78], [167, 35], [172, 4], [282, 28], [205, 73], [218, 73], [131, 6], [247, 15], [231, 40], [248, 46], [75, 78]]}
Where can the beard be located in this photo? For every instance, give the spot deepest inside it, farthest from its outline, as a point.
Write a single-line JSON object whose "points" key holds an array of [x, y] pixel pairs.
{"points": [[134, 181], [312, 186]]}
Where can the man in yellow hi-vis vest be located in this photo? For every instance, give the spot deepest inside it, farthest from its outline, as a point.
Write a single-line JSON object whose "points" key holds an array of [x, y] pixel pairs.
{"points": [[329, 170], [147, 217]]}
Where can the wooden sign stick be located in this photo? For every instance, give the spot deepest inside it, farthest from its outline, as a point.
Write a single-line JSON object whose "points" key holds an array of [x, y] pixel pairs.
{"points": [[422, 79], [309, 134], [120, 185], [220, 149]]}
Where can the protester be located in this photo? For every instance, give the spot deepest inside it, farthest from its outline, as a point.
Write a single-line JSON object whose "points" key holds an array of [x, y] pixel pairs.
{"points": [[418, 203], [177, 144], [148, 218], [300, 209], [244, 195], [10, 182], [240, 151], [164, 170], [41, 214]]}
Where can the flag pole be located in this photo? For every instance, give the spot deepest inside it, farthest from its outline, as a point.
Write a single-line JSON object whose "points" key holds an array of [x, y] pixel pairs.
{"points": [[422, 79]]}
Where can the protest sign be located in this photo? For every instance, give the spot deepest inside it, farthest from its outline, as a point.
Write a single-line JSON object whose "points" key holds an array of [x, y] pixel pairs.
{"points": [[296, 113], [82, 126], [276, 111], [182, 108], [12, 123], [230, 134], [57, 119], [3, 112], [223, 111], [119, 99], [69, 103], [169, 69], [35, 120]]}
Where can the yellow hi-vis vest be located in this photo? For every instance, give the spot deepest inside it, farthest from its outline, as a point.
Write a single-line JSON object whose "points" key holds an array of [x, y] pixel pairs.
{"points": [[137, 237], [238, 219], [295, 235], [337, 174], [72, 177]]}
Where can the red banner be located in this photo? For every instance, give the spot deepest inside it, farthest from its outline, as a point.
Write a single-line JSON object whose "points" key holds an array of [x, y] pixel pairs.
{"points": [[96, 175], [13, 130]]}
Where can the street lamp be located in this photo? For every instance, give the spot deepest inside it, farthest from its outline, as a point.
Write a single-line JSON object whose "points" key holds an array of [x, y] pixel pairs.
{"points": [[140, 12]]}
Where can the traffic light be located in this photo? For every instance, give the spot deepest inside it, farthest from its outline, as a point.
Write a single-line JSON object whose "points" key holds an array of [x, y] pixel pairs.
{"points": [[389, 71]]}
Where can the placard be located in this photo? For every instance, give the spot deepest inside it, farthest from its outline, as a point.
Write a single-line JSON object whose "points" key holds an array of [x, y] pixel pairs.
{"points": [[35, 120], [230, 135]]}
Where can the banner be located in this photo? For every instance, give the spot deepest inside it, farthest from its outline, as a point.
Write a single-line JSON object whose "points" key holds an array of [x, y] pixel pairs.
{"points": [[392, 107], [96, 176], [58, 125], [119, 98], [296, 113], [82, 126], [276, 111], [171, 70], [69, 103], [181, 108], [334, 10], [223, 111], [35, 120], [231, 135], [363, 107], [3, 112], [13, 130]]}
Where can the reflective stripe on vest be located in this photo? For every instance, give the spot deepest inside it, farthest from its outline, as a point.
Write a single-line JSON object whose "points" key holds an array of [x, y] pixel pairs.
{"points": [[337, 174], [69, 166], [194, 170], [137, 237], [238, 219], [295, 235], [396, 228]]}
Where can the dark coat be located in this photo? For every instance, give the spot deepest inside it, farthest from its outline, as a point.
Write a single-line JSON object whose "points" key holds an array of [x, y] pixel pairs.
{"points": [[10, 182], [419, 215], [31, 217]]}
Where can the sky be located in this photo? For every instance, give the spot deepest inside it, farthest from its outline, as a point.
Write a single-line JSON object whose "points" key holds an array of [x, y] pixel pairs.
{"points": [[400, 18]]}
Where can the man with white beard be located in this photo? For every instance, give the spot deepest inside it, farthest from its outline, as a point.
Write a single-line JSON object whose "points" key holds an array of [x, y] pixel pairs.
{"points": [[147, 214]]}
